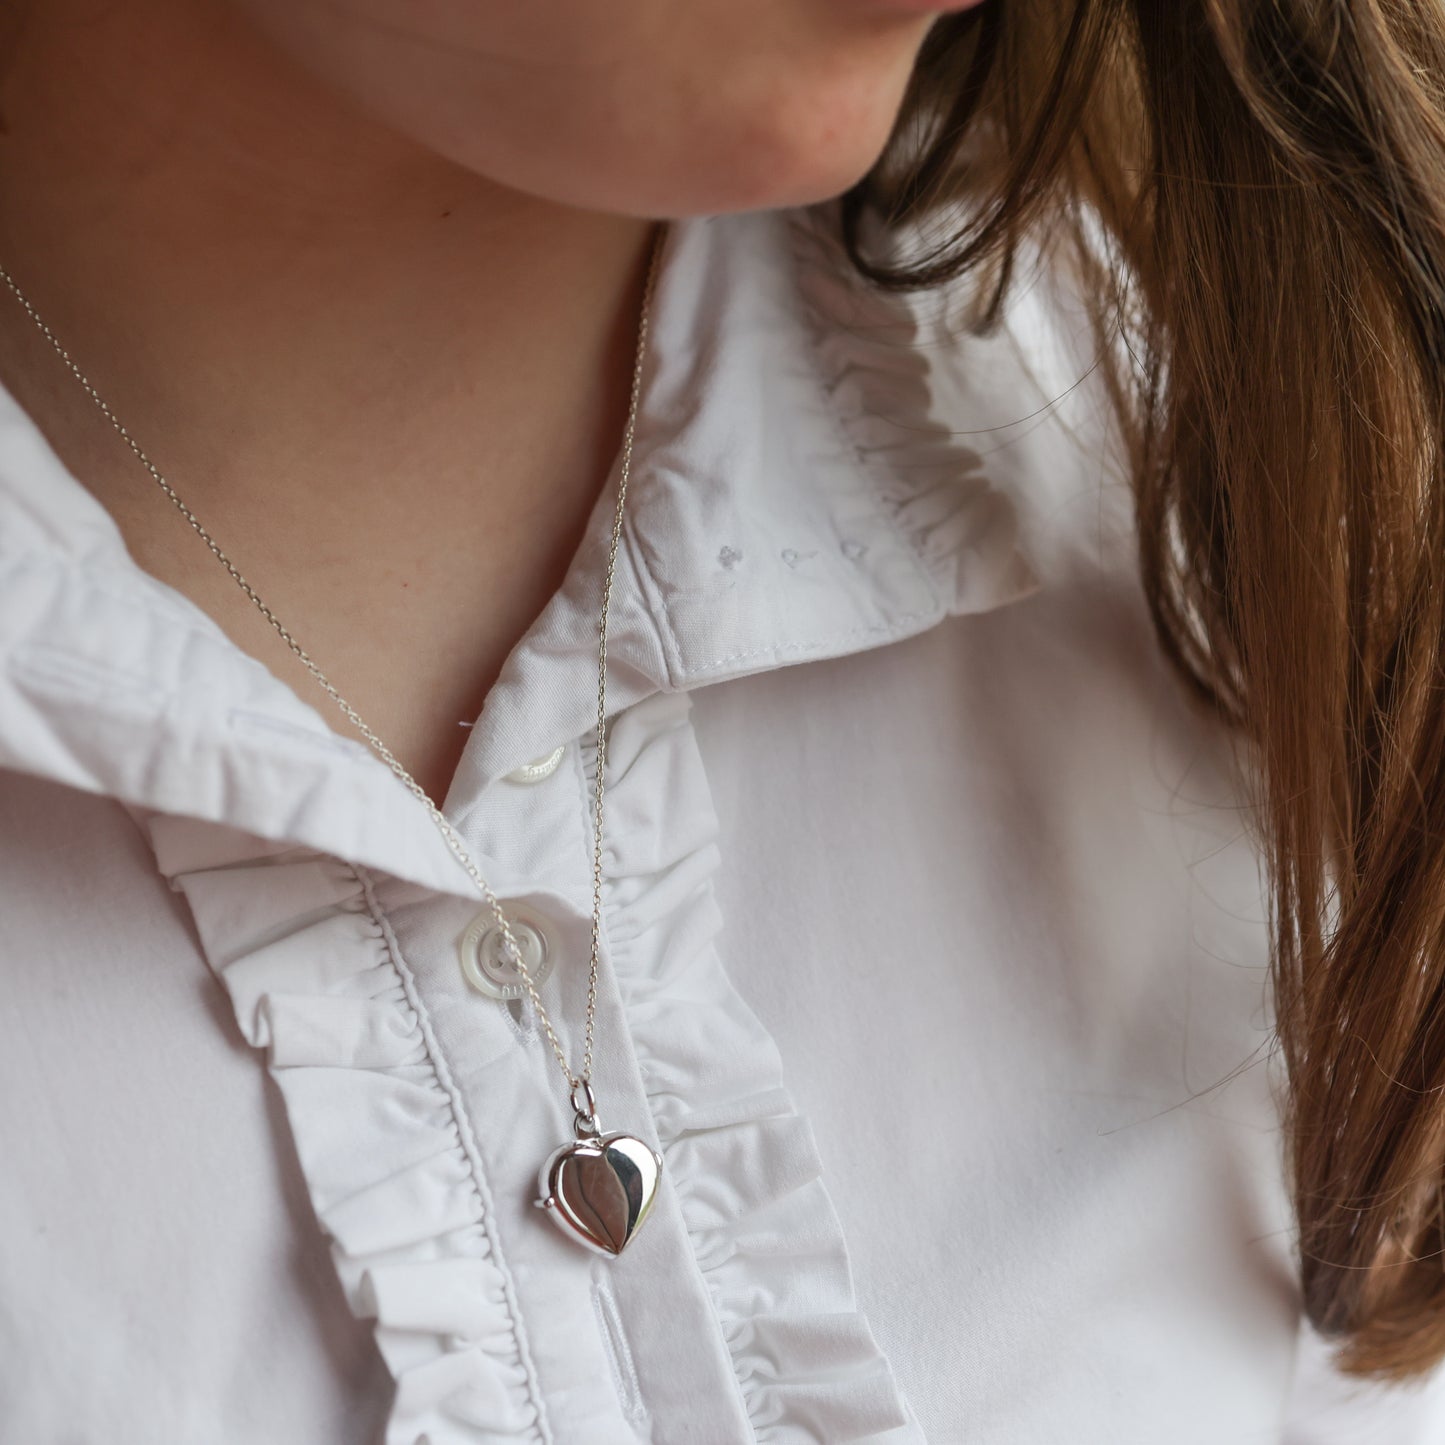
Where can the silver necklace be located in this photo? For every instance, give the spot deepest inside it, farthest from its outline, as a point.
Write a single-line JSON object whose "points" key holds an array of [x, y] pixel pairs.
{"points": [[598, 1187]]}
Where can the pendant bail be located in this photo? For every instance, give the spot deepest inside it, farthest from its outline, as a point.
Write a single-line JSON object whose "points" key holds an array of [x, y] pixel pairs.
{"points": [[586, 1124]]}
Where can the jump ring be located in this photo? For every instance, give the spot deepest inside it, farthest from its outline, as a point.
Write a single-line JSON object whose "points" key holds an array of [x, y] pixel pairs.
{"points": [[586, 1122]]}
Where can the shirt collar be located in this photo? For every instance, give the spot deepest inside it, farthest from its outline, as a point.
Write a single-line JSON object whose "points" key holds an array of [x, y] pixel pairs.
{"points": [[792, 496]]}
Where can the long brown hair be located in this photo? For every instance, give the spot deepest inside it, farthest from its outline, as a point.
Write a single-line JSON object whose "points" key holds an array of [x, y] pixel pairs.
{"points": [[1268, 177]]}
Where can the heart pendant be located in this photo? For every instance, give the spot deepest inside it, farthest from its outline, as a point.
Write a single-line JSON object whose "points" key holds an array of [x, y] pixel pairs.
{"points": [[599, 1190]]}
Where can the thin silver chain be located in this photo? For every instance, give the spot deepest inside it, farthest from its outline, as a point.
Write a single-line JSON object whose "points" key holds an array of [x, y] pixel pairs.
{"points": [[581, 1083]]}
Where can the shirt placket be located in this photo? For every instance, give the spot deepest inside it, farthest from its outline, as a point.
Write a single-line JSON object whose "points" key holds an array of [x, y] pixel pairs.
{"points": [[622, 1349]]}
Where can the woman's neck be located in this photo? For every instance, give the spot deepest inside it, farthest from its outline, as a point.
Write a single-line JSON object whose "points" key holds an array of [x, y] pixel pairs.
{"points": [[391, 388], [225, 241]]}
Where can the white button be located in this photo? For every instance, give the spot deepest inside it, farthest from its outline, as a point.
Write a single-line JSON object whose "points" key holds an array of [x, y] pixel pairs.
{"points": [[482, 949], [538, 768]]}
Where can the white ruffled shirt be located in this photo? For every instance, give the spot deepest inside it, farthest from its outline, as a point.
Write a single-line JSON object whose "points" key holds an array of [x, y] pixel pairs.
{"points": [[933, 955]]}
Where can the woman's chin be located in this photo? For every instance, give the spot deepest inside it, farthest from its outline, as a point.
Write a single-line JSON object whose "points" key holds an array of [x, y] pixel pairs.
{"points": [[731, 105], [754, 159]]}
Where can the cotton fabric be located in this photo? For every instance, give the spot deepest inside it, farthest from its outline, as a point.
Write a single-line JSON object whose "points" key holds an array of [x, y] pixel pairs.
{"points": [[933, 953]]}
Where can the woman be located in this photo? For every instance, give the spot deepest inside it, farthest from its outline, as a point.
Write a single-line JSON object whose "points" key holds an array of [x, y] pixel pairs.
{"points": [[874, 524]]}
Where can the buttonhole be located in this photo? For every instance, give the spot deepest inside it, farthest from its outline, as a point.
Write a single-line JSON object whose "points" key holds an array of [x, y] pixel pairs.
{"points": [[242, 719], [520, 1012], [619, 1353]]}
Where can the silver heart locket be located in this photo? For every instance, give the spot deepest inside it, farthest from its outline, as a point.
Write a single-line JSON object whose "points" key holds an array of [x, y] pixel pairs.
{"points": [[599, 1190]]}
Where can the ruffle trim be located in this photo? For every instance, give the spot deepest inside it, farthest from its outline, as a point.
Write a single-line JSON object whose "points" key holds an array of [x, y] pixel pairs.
{"points": [[877, 375], [316, 981], [743, 1162]]}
